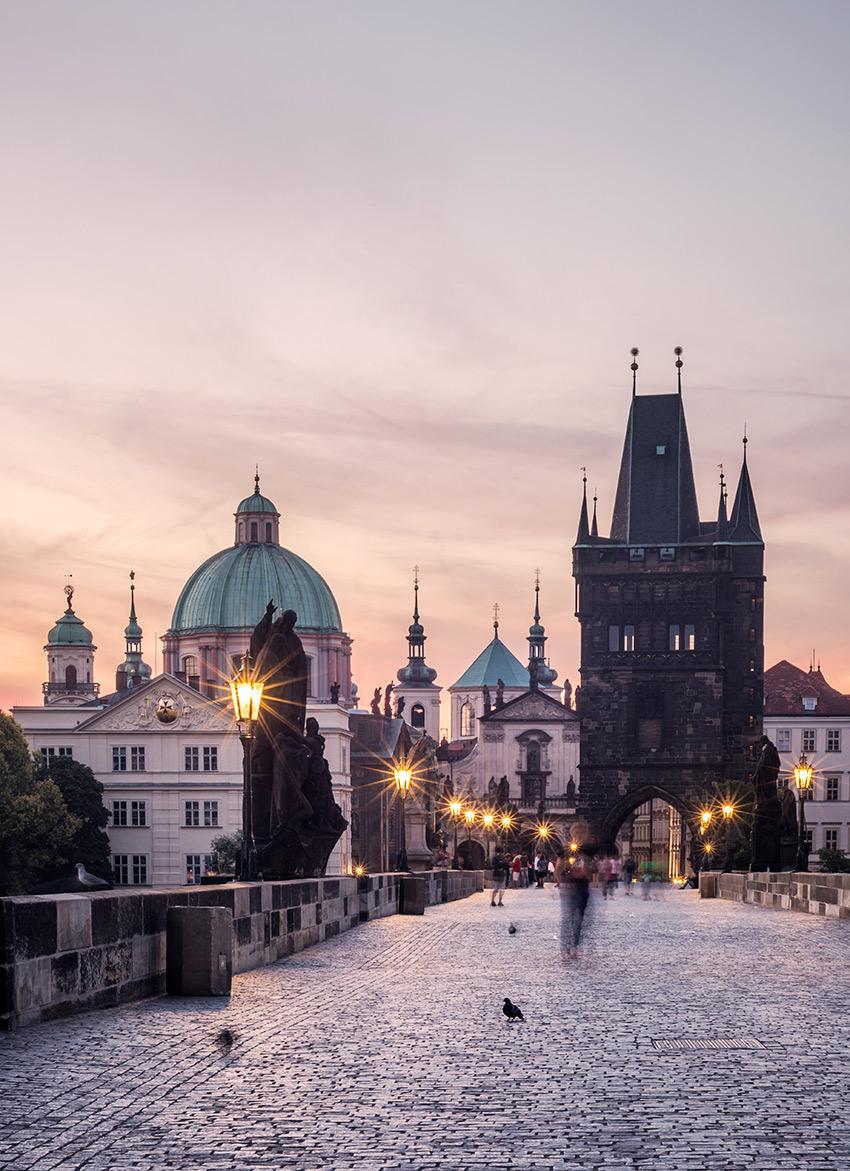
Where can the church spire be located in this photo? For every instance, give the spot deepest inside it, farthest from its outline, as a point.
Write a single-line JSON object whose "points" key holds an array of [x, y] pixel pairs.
{"points": [[540, 674], [133, 670], [744, 522], [416, 673]]}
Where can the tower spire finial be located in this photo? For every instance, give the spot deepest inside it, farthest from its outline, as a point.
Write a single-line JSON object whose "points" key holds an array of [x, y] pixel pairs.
{"points": [[132, 595], [594, 527], [69, 589], [496, 617], [416, 593], [677, 350], [256, 479], [634, 369], [537, 595]]}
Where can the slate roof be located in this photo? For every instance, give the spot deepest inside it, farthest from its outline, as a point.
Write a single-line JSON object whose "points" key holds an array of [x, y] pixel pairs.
{"points": [[784, 688]]}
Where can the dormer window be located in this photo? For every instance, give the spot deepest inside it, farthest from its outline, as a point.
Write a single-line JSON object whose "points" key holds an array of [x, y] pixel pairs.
{"points": [[810, 702]]}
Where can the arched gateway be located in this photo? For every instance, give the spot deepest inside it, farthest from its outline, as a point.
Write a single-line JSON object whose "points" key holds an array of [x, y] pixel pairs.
{"points": [[671, 614]]}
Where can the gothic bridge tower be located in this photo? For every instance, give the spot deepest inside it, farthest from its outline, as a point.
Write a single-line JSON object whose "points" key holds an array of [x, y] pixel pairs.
{"points": [[671, 614]]}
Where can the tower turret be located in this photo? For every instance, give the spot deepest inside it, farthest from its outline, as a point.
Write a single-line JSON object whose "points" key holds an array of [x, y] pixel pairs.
{"points": [[539, 673], [133, 670], [416, 681], [70, 660]]}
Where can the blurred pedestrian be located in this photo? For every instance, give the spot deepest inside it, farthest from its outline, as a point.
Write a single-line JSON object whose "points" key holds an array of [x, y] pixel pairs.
{"points": [[628, 874], [500, 877], [516, 867], [573, 881], [541, 869]]}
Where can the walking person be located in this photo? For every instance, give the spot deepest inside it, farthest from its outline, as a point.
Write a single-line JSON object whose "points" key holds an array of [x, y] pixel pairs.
{"points": [[613, 875], [628, 874], [500, 877], [574, 888], [516, 867], [541, 869]]}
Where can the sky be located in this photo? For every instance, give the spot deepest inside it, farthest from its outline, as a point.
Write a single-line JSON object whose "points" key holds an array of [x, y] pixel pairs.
{"points": [[397, 255]]}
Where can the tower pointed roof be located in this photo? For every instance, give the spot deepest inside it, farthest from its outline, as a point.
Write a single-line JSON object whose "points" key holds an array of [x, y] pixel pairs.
{"points": [[744, 522], [416, 673], [722, 519], [540, 674], [494, 663], [583, 534], [133, 670]]}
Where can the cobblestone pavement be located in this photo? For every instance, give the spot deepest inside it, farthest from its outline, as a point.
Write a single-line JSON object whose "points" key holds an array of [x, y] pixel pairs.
{"points": [[386, 1048]]}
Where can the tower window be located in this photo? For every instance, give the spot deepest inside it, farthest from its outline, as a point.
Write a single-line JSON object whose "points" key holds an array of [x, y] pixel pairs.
{"points": [[417, 716], [254, 527], [675, 643], [628, 638], [690, 637], [467, 719], [71, 676], [268, 532], [613, 638]]}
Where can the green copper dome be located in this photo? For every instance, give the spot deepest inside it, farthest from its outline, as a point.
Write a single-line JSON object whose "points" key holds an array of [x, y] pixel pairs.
{"points": [[256, 503], [69, 631], [230, 590]]}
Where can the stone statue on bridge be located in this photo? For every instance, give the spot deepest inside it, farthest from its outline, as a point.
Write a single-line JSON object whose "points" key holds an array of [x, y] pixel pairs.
{"points": [[765, 833], [297, 822]]}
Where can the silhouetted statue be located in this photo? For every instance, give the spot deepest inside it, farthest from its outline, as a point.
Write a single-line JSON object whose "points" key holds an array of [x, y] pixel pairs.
{"points": [[334, 693], [504, 793], [492, 790], [388, 699], [568, 694], [376, 702], [764, 836], [296, 820], [399, 707], [500, 693], [571, 789]]}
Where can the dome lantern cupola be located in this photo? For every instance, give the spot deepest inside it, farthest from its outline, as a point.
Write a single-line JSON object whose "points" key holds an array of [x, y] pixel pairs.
{"points": [[416, 685], [257, 519], [70, 659], [540, 673]]}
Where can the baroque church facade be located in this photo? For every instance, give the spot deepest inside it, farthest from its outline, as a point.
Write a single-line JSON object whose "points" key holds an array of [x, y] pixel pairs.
{"points": [[165, 748]]}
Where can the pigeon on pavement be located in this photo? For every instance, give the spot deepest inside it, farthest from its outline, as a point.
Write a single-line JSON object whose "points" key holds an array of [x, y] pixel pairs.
{"points": [[512, 930], [511, 1011]]}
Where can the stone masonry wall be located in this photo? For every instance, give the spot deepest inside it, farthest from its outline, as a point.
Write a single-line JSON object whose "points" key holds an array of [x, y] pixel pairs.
{"points": [[816, 894], [63, 954]]}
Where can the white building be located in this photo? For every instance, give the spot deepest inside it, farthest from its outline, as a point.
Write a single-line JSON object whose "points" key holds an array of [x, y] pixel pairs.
{"points": [[166, 749], [804, 715]]}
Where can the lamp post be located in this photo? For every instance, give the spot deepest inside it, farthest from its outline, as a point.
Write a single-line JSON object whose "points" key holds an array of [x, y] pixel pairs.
{"points": [[803, 780], [246, 694], [469, 815], [507, 822], [403, 777], [488, 819], [704, 826], [455, 808], [728, 810]]}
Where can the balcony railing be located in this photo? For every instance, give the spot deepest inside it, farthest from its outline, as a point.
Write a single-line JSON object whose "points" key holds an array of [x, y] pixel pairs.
{"points": [[71, 688]]}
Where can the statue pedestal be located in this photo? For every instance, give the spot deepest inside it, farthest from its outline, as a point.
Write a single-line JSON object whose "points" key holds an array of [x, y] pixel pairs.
{"points": [[419, 857]]}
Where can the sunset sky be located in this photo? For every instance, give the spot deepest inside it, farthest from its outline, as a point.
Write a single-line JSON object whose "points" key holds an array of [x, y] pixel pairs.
{"points": [[396, 254]]}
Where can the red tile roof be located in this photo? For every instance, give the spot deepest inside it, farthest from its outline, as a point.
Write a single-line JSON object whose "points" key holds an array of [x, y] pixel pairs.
{"points": [[784, 688]]}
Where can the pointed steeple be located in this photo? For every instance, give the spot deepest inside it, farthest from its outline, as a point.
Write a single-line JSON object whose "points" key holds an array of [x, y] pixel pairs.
{"points": [[583, 535], [133, 670], [416, 673], [744, 522], [722, 521], [539, 673], [656, 502], [594, 529]]}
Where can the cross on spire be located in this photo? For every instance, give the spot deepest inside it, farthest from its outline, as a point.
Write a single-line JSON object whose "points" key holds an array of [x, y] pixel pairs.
{"points": [[495, 615]]}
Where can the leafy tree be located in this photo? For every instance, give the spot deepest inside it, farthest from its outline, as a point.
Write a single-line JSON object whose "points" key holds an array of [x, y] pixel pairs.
{"points": [[82, 792], [36, 829], [834, 861], [225, 849]]}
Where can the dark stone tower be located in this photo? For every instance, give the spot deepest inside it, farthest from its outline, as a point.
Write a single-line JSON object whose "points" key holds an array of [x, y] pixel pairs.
{"points": [[671, 613]]}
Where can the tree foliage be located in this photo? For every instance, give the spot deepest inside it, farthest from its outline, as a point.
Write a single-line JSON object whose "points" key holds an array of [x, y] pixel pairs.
{"points": [[225, 850], [834, 861], [37, 831], [82, 792]]}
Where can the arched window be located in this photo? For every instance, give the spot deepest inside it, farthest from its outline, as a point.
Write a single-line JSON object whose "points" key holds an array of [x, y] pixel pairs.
{"points": [[417, 716], [241, 531], [190, 667], [268, 532], [71, 676], [254, 536], [467, 720]]}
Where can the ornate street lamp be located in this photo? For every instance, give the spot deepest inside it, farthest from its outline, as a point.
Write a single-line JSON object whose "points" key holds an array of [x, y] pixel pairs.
{"points": [[507, 822], [403, 776], [455, 808], [803, 780], [728, 811], [469, 816], [246, 695], [488, 819]]}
